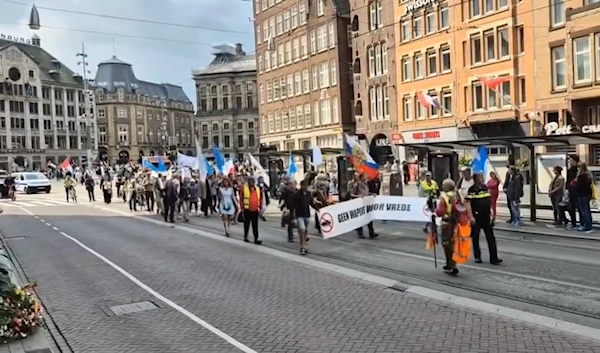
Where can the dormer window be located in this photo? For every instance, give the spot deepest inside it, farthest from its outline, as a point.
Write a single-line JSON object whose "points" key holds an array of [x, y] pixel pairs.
{"points": [[121, 94]]}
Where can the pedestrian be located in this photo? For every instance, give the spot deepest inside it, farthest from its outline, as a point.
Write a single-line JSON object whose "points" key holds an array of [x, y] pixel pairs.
{"points": [[132, 193], [252, 202], [302, 202], [585, 193], [170, 198], [429, 189], [514, 192], [227, 204], [494, 187], [361, 189], [556, 192], [89, 186], [206, 203], [507, 177], [184, 199], [194, 192], [479, 199], [148, 183], [286, 205], [106, 185], [572, 173]]}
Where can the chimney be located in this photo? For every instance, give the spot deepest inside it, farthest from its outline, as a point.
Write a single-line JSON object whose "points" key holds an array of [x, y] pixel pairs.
{"points": [[35, 40], [238, 49]]}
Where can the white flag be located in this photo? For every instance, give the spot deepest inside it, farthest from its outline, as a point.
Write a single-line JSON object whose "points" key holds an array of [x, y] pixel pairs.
{"points": [[261, 171], [317, 157], [201, 162]]}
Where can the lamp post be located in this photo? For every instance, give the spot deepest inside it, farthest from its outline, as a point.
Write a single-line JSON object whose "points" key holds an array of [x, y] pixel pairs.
{"points": [[164, 128], [87, 96]]}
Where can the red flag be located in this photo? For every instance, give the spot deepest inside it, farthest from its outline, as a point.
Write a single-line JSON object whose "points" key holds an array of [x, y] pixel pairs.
{"points": [[427, 101], [493, 83], [66, 164]]}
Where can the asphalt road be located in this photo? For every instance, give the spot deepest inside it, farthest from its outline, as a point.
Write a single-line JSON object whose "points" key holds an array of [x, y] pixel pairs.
{"points": [[219, 297]]}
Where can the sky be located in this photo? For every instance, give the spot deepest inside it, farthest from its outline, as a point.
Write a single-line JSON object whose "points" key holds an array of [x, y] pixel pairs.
{"points": [[170, 58]]}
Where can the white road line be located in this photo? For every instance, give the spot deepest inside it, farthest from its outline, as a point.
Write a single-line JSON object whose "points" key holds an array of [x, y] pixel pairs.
{"points": [[159, 296], [56, 229]]}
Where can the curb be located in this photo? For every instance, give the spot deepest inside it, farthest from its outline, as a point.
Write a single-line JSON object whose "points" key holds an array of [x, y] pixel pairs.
{"points": [[519, 315], [525, 230]]}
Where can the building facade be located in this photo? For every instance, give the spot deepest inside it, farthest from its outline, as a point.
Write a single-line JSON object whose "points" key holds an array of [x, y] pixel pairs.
{"points": [[443, 50], [567, 43], [304, 73], [42, 116], [227, 114], [139, 118], [374, 75]]}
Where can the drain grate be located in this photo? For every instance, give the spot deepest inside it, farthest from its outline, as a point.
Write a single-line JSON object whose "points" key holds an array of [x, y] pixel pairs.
{"points": [[399, 287], [126, 309]]}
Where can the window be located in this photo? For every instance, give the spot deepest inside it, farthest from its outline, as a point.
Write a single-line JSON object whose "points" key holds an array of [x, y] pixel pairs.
{"points": [[406, 68], [430, 22], [477, 91], [321, 38], [384, 59], [418, 25], [303, 46], [446, 102], [321, 7], [475, 8], [280, 55], [559, 73], [265, 31], [506, 95], [444, 17], [316, 112], [386, 102], [373, 103], [520, 39], [420, 111], [504, 49], [300, 117], [492, 99], [324, 75], [271, 123], [557, 8], [431, 63], [279, 24], [333, 72], [290, 85], [277, 122], [433, 109], [260, 64], [490, 45], [582, 62], [503, 3], [102, 135], [276, 90], [267, 61], [375, 14], [407, 109], [406, 30], [325, 112], [379, 93], [294, 16], [272, 32], [315, 78], [445, 59], [313, 42], [332, 37], [101, 113], [475, 49], [286, 21], [302, 13], [288, 52], [298, 83], [296, 49], [140, 134], [292, 117], [121, 113], [378, 66], [489, 6], [305, 81], [123, 134], [262, 94], [597, 56], [269, 92], [285, 121], [371, 54], [522, 90], [419, 71]]}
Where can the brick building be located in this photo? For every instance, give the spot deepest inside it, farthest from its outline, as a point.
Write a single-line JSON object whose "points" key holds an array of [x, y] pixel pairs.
{"points": [[374, 79], [304, 79]]}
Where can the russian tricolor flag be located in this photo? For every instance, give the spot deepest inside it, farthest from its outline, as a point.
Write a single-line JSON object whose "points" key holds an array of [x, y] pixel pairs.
{"points": [[361, 160]]}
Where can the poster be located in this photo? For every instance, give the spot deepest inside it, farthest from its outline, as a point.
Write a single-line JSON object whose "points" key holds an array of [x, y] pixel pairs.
{"points": [[346, 216]]}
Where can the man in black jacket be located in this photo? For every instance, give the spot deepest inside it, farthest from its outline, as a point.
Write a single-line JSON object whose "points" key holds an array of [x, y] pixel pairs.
{"points": [[572, 175]]}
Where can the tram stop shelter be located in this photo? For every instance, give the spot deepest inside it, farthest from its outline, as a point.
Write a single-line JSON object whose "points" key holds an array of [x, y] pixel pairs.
{"points": [[530, 142]]}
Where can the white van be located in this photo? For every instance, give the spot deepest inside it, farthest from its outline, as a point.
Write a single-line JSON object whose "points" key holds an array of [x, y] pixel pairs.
{"points": [[32, 182]]}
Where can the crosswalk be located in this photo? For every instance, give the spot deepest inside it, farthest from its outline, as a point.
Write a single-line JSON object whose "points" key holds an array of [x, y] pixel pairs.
{"points": [[36, 203]]}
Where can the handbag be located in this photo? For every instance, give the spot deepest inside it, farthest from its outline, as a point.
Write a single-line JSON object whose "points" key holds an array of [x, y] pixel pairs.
{"points": [[240, 217]]}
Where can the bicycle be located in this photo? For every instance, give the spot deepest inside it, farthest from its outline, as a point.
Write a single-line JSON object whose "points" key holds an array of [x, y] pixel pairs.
{"points": [[73, 194]]}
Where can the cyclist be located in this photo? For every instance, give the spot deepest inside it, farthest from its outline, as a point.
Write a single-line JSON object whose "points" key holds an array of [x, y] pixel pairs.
{"points": [[70, 183], [9, 182]]}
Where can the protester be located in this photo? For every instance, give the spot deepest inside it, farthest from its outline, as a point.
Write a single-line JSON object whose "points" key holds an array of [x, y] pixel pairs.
{"points": [[494, 187], [194, 196], [583, 188], [360, 189], [252, 201], [170, 198], [514, 192], [572, 173], [301, 203], [556, 192], [227, 204], [89, 186]]}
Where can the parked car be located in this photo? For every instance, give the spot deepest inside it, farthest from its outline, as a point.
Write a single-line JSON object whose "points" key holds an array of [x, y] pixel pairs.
{"points": [[32, 182]]}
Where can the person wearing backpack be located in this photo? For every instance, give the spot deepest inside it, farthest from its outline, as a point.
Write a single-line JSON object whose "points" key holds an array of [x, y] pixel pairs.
{"points": [[172, 188]]}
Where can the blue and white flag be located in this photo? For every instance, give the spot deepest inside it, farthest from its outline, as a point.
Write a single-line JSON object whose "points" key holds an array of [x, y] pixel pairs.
{"points": [[480, 160], [219, 159], [292, 168]]}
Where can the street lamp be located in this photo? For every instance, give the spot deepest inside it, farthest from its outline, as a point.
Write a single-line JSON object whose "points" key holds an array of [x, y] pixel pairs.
{"points": [[88, 97], [164, 128], [34, 19]]}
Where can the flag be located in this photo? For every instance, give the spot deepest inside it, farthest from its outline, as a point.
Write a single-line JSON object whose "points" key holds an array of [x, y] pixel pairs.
{"points": [[201, 162], [480, 160], [428, 101], [66, 165], [360, 159], [219, 159], [228, 168], [161, 165], [292, 166], [317, 156], [260, 171], [493, 83], [146, 164]]}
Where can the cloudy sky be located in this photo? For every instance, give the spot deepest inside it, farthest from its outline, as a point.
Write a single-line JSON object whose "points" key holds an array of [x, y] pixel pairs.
{"points": [[168, 58]]}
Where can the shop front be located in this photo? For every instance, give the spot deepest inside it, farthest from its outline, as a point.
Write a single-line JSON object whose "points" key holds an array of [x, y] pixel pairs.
{"points": [[444, 134], [381, 150]]}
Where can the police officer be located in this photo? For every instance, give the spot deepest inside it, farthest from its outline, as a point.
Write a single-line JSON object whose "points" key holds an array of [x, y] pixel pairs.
{"points": [[480, 199], [429, 189]]}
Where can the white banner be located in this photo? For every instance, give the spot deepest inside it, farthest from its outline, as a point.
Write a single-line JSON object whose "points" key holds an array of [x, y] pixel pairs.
{"points": [[347, 216]]}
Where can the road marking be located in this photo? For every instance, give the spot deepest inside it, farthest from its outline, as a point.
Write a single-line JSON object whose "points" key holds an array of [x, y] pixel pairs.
{"points": [[158, 296], [56, 229]]}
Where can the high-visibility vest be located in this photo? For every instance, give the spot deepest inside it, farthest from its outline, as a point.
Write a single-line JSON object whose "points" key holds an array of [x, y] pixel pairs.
{"points": [[247, 196], [429, 189]]}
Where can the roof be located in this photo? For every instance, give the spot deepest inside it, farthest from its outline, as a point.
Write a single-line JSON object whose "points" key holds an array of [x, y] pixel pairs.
{"points": [[115, 73], [342, 7], [228, 59], [45, 62]]}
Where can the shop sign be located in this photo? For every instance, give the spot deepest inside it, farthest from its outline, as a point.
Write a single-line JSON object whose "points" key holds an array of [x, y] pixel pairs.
{"points": [[382, 142], [436, 135], [417, 4], [555, 129], [15, 38], [428, 135], [22, 151]]}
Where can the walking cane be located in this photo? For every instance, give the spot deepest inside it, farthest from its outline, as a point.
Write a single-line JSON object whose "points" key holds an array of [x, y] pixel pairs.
{"points": [[435, 239]]}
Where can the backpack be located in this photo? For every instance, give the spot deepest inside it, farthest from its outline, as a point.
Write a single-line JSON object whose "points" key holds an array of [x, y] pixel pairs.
{"points": [[170, 190], [184, 192]]}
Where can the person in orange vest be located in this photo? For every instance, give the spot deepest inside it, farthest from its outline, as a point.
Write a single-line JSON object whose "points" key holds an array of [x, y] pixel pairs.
{"points": [[252, 202]]}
